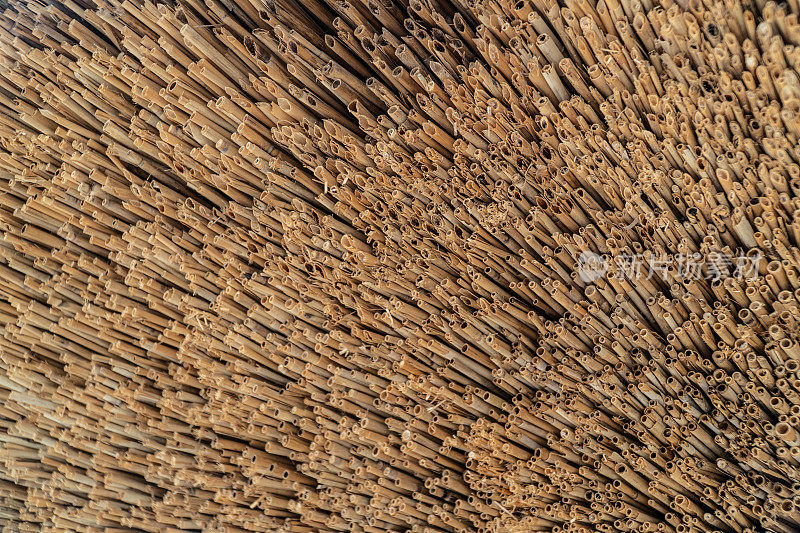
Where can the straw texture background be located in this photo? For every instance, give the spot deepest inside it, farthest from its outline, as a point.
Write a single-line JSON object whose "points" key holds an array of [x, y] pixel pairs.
{"points": [[316, 266]]}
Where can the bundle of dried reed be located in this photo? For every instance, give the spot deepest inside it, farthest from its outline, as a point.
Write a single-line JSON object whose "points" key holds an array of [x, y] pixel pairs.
{"points": [[371, 265]]}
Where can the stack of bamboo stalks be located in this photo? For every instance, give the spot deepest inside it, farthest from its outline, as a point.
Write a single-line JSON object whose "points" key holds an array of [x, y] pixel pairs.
{"points": [[322, 265]]}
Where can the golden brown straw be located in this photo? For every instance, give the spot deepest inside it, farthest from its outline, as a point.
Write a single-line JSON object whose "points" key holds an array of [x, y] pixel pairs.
{"points": [[377, 265]]}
